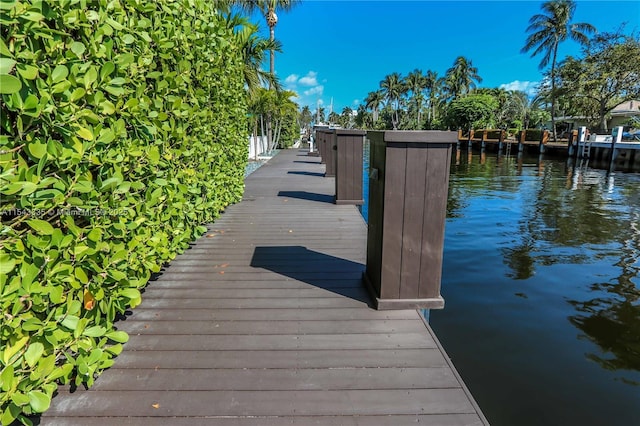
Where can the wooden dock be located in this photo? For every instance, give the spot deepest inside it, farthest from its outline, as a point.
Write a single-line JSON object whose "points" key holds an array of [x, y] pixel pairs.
{"points": [[265, 321]]}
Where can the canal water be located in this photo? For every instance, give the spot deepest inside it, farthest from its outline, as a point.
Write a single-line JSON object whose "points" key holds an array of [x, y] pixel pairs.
{"points": [[541, 280]]}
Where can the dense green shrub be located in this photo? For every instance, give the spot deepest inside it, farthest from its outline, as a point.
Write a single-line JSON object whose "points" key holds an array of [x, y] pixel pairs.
{"points": [[123, 131]]}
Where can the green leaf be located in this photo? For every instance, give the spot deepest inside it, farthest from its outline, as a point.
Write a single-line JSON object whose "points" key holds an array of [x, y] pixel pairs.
{"points": [[6, 65], [128, 39], [131, 293], [41, 226], [7, 263], [31, 102], [111, 182], [9, 84], [7, 4], [28, 72], [154, 155], [77, 94], [26, 187], [90, 76], [81, 275], [10, 414], [106, 136], [4, 50], [32, 16], [118, 336], [70, 321], [95, 331], [78, 48], [37, 150], [106, 70], [11, 350], [84, 133], [6, 378], [39, 401], [59, 73], [33, 354]]}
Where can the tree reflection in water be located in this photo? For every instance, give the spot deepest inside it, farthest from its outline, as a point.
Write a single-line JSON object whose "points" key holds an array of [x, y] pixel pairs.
{"points": [[571, 216], [612, 320]]}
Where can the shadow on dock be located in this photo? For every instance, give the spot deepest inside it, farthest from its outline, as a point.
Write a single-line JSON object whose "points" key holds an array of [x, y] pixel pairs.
{"points": [[339, 276], [304, 195], [297, 172]]}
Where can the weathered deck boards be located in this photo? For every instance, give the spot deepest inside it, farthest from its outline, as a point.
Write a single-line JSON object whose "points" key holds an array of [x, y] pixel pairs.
{"points": [[264, 321]]}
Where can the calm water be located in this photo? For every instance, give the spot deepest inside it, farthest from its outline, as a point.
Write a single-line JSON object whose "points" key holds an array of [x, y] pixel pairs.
{"points": [[542, 289]]}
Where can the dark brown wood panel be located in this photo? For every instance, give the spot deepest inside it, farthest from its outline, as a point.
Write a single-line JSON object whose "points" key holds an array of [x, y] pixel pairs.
{"points": [[415, 177], [434, 220], [294, 360], [266, 403], [270, 379], [394, 193], [204, 327]]}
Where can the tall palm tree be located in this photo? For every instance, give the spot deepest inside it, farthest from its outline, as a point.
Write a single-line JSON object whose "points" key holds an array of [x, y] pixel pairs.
{"points": [[305, 118], [393, 89], [346, 117], [268, 9], [433, 86], [373, 102], [461, 77], [415, 82], [548, 30]]}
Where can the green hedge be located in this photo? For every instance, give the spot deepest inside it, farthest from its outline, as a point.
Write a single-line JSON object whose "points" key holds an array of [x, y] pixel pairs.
{"points": [[123, 131]]}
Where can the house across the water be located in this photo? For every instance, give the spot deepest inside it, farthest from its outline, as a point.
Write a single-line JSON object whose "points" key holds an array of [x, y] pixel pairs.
{"points": [[622, 115]]}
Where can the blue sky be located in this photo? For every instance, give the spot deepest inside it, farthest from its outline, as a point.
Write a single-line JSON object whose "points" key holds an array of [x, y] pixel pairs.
{"points": [[343, 49]]}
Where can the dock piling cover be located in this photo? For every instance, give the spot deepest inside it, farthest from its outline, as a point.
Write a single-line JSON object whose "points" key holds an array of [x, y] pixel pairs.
{"points": [[407, 209]]}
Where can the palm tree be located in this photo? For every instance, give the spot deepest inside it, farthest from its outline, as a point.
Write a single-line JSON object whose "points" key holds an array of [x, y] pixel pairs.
{"points": [[268, 9], [461, 76], [416, 82], [305, 118], [254, 49], [346, 117], [393, 89], [373, 102], [547, 32], [433, 85], [285, 113], [334, 117]]}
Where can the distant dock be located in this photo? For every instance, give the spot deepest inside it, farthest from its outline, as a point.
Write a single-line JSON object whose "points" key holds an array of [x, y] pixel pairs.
{"points": [[622, 156]]}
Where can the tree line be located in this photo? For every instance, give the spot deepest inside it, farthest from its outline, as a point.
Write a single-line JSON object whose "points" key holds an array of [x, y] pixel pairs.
{"points": [[588, 86]]}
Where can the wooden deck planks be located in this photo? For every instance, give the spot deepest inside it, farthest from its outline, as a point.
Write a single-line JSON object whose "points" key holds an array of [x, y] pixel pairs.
{"points": [[264, 321]]}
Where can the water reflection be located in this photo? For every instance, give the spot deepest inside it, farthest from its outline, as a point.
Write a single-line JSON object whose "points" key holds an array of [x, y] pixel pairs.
{"points": [[612, 320], [542, 289]]}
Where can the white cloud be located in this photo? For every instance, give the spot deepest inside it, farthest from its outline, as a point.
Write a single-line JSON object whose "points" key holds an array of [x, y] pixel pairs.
{"points": [[317, 90], [529, 87], [311, 79], [356, 102], [292, 79]]}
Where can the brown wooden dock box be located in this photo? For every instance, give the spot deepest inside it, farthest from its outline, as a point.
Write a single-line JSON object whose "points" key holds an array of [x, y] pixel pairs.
{"points": [[408, 185], [350, 144]]}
